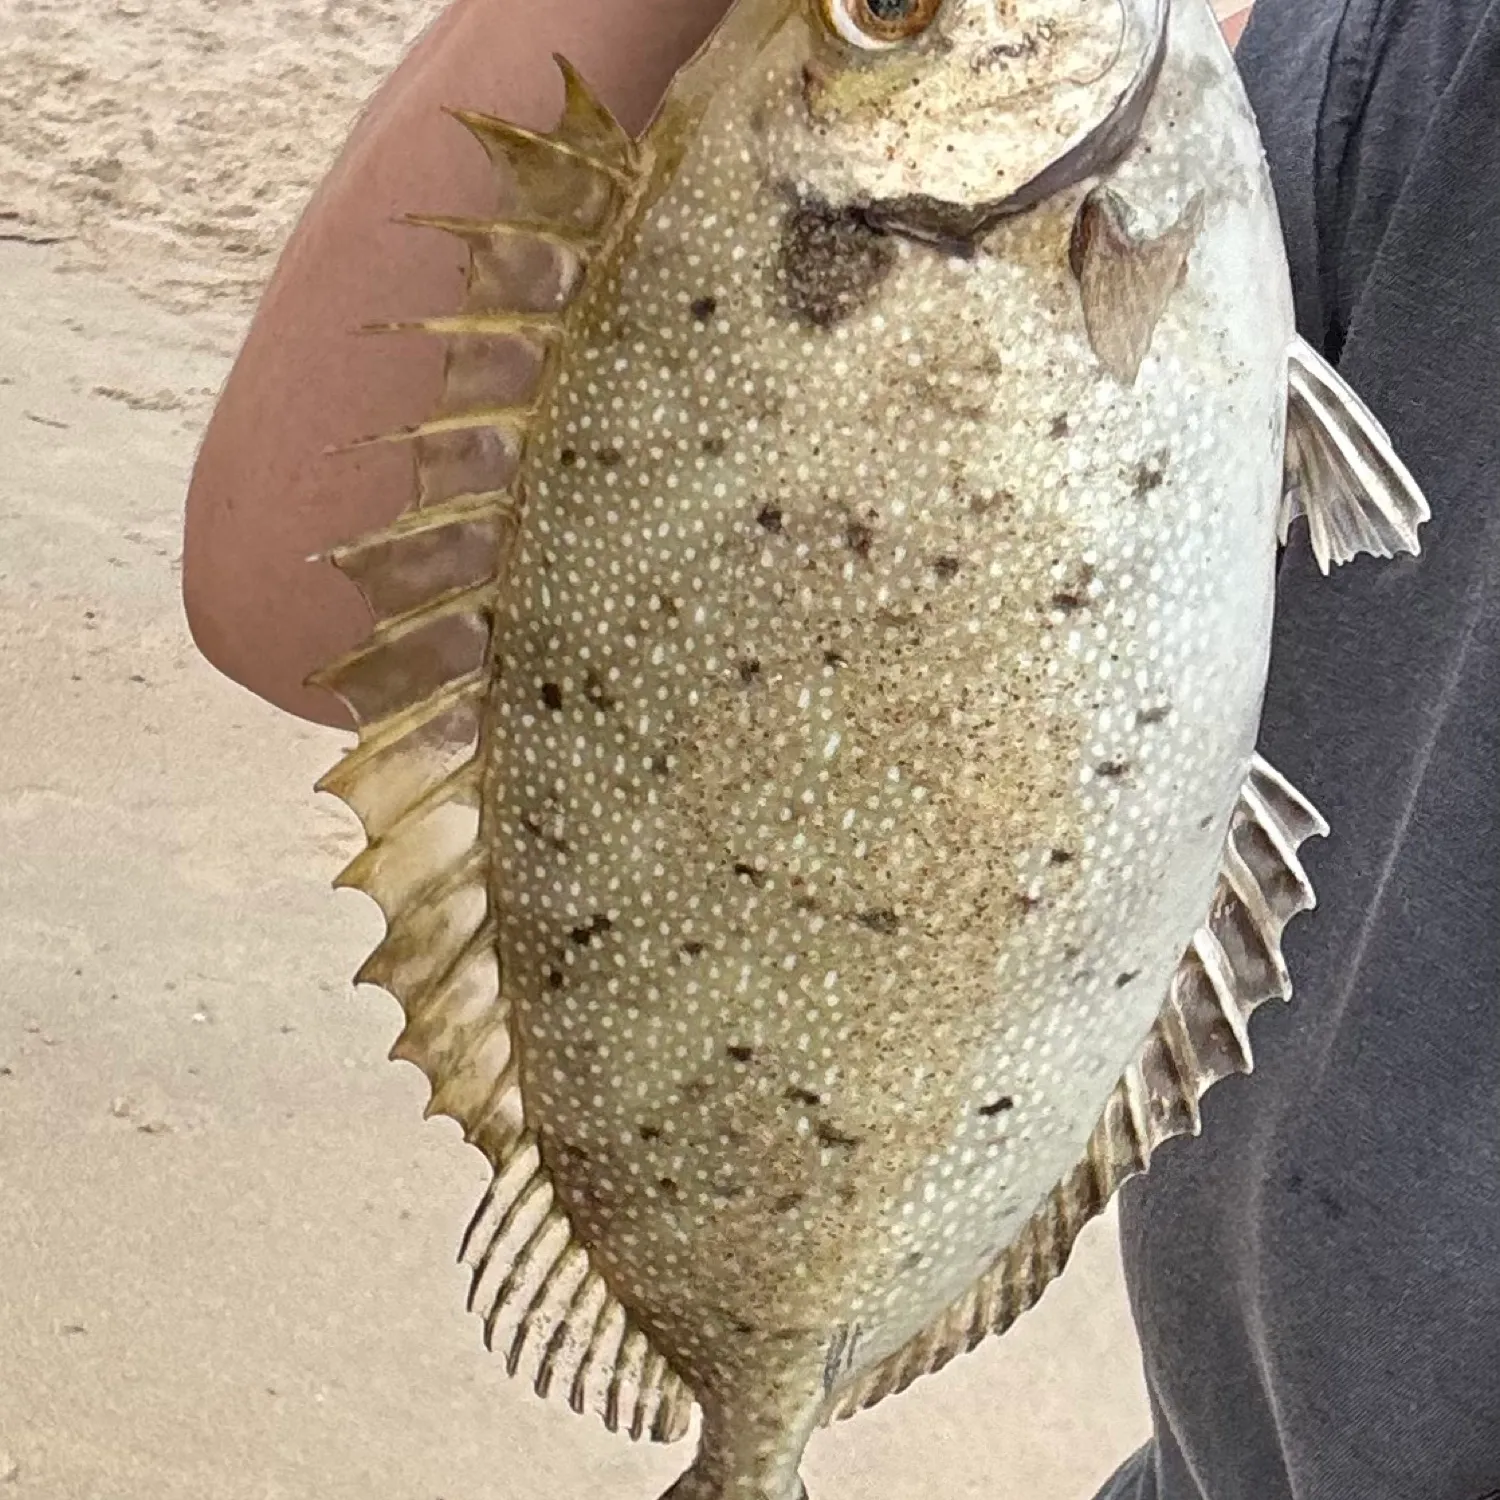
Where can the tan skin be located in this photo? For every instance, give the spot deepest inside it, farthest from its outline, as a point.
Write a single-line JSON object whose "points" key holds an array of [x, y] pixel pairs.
{"points": [[265, 496]]}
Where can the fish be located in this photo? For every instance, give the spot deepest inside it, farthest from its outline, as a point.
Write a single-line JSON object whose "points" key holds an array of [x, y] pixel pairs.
{"points": [[807, 741]]}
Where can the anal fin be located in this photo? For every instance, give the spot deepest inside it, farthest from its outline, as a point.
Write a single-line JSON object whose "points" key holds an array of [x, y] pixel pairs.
{"points": [[1341, 471], [1232, 966]]}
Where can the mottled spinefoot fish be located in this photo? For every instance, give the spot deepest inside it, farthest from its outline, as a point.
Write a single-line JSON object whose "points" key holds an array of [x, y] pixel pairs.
{"points": [[807, 747]]}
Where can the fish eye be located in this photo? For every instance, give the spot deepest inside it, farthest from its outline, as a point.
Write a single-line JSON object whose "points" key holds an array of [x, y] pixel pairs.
{"points": [[877, 24]]}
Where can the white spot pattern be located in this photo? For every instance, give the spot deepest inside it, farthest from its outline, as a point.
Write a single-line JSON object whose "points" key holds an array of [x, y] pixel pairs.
{"points": [[873, 692]]}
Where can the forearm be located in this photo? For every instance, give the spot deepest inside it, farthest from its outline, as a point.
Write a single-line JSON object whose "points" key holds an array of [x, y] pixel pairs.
{"points": [[264, 496]]}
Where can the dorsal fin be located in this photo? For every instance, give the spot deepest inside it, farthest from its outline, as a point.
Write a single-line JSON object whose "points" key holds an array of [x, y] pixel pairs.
{"points": [[1232, 966], [417, 691]]}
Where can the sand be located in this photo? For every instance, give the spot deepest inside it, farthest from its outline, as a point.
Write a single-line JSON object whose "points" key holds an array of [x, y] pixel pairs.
{"points": [[226, 1236], [172, 143]]}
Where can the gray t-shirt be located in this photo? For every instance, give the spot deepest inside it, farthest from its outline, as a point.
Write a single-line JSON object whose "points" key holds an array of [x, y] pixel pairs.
{"points": [[1316, 1281]]}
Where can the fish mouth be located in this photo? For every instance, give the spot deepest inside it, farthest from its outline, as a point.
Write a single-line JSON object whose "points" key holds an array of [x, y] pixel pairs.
{"points": [[957, 228]]}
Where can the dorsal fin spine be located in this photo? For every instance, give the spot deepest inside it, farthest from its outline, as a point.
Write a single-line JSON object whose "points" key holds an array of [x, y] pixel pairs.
{"points": [[422, 759], [486, 231]]}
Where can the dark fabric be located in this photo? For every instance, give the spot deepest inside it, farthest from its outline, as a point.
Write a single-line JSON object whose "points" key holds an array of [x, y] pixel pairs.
{"points": [[1316, 1281]]}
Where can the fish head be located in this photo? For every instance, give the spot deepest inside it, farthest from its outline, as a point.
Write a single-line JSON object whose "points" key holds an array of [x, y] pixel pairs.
{"points": [[939, 118]]}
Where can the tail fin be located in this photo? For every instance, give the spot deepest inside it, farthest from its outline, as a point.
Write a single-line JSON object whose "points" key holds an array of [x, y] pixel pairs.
{"points": [[700, 1483]]}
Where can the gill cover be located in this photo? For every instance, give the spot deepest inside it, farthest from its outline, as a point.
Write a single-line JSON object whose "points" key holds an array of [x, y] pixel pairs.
{"points": [[940, 118]]}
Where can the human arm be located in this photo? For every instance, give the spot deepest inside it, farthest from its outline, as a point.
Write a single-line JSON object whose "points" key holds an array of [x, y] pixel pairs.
{"points": [[1232, 18], [265, 495]]}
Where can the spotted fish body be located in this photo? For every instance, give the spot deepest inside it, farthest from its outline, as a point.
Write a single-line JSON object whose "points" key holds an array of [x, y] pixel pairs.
{"points": [[808, 747]]}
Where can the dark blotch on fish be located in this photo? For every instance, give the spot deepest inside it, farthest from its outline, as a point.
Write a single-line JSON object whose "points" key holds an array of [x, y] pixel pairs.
{"points": [[609, 457], [1073, 593], [750, 873], [882, 920], [769, 516], [830, 264], [1121, 980], [584, 936], [704, 308], [594, 692], [1112, 770], [552, 696], [999, 1107], [803, 1096], [1147, 477], [946, 567], [859, 538], [648, 1133], [749, 670], [691, 950], [538, 830], [1157, 715], [740, 1053], [829, 1135]]}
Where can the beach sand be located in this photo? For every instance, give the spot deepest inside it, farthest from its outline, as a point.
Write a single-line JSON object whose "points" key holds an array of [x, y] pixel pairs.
{"points": [[226, 1237]]}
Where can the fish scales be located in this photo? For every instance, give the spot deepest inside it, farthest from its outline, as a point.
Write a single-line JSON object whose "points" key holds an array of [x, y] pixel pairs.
{"points": [[864, 745], [864, 772]]}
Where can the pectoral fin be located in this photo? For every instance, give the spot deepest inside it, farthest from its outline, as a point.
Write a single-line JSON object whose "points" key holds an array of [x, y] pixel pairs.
{"points": [[1126, 278], [1341, 470]]}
